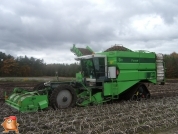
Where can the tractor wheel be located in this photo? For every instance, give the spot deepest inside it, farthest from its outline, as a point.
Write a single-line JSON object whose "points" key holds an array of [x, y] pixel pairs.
{"points": [[62, 97], [141, 92]]}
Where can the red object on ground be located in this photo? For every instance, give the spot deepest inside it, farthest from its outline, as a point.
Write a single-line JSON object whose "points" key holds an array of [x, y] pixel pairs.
{"points": [[12, 117]]}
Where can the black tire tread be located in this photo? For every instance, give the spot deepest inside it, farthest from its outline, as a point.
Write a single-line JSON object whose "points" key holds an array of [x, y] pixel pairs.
{"points": [[136, 88], [131, 91], [55, 92]]}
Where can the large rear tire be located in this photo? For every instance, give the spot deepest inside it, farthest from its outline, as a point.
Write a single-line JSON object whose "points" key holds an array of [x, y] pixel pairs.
{"points": [[64, 96]]}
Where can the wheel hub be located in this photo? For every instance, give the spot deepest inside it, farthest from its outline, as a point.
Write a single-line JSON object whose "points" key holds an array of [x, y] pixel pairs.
{"points": [[64, 99]]}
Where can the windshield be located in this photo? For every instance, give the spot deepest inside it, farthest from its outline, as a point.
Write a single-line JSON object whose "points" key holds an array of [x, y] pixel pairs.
{"points": [[88, 68], [94, 67], [99, 63]]}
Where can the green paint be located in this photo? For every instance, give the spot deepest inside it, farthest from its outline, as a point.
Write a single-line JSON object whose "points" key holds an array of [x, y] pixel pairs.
{"points": [[25, 101], [135, 60]]}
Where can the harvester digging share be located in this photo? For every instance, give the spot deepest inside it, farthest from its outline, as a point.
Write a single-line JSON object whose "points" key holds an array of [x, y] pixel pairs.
{"points": [[117, 73]]}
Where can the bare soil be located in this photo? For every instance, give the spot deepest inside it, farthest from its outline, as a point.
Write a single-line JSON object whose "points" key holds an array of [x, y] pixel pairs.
{"points": [[158, 115]]}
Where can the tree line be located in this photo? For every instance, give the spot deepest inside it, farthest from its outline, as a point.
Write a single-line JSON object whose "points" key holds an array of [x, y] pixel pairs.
{"points": [[171, 65], [30, 66]]}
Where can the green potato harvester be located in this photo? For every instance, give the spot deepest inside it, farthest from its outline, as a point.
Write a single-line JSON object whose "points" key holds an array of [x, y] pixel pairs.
{"points": [[117, 73]]}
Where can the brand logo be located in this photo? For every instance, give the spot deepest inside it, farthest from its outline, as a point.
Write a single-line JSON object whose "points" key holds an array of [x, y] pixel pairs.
{"points": [[134, 60], [120, 59]]}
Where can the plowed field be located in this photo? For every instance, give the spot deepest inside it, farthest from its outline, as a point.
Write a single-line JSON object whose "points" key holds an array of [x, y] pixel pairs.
{"points": [[156, 115]]}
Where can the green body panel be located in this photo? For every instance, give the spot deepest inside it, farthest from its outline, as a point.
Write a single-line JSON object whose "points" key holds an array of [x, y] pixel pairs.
{"points": [[147, 75], [133, 66], [97, 98], [124, 85], [131, 60], [127, 75], [111, 89], [116, 88]]}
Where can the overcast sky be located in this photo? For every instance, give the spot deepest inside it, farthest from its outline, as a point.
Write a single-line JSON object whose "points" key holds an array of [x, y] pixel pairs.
{"points": [[47, 29]]}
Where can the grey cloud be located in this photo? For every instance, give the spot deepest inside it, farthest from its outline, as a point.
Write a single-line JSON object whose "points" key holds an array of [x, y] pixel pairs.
{"points": [[50, 27]]}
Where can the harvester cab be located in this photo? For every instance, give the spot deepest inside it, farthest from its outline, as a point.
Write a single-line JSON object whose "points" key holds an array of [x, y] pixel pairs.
{"points": [[93, 67]]}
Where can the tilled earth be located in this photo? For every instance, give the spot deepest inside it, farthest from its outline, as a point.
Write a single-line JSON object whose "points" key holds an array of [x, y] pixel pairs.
{"points": [[156, 115]]}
